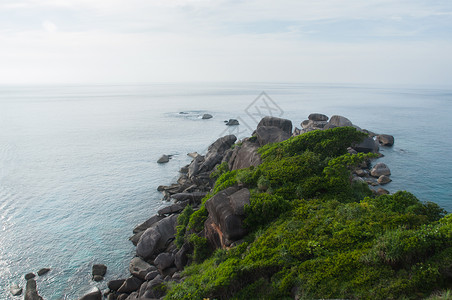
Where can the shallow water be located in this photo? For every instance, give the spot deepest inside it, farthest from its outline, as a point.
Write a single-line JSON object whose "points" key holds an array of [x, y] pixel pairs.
{"points": [[78, 163]]}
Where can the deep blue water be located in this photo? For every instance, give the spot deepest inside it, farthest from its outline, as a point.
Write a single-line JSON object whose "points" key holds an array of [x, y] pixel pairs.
{"points": [[78, 163]]}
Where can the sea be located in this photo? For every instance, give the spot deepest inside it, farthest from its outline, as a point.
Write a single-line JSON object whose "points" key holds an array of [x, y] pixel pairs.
{"points": [[78, 163]]}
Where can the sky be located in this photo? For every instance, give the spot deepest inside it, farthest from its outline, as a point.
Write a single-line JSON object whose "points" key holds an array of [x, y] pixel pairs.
{"points": [[140, 41]]}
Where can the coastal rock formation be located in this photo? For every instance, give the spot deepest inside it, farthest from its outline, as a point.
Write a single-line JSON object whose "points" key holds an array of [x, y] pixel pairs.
{"points": [[380, 169], [245, 155], [155, 238], [43, 271], [139, 268], [29, 276], [99, 271], [385, 139], [164, 260], [232, 122], [283, 124], [114, 285], [130, 285], [31, 292], [366, 146], [383, 179], [163, 159], [271, 134], [318, 117], [207, 116], [226, 213], [95, 294], [338, 121]]}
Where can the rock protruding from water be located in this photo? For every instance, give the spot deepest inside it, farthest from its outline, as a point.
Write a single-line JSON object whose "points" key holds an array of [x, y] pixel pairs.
{"points": [[99, 271], [385, 139], [31, 292], [163, 159], [94, 294], [43, 271], [380, 169], [207, 116], [232, 122], [226, 213], [29, 276], [15, 290]]}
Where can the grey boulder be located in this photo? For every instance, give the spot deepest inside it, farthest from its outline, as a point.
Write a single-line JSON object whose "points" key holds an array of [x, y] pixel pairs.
{"points": [[383, 179], [139, 268], [31, 292], [380, 169], [339, 121], [226, 213], [283, 124], [155, 238], [207, 116], [317, 117], [163, 159], [164, 260], [95, 294], [271, 134], [232, 122], [385, 139], [130, 285]]}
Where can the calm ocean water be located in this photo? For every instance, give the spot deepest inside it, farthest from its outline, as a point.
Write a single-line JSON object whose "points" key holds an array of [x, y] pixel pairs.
{"points": [[78, 163]]}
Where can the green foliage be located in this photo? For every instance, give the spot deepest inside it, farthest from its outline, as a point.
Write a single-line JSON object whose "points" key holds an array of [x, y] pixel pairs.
{"points": [[182, 222], [201, 248], [317, 233], [225, 180], [327, 143], [219, 170], [264, 208]]}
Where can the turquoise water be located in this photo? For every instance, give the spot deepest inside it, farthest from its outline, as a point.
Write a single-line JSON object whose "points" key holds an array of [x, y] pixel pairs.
{"points": [[78, 163]]}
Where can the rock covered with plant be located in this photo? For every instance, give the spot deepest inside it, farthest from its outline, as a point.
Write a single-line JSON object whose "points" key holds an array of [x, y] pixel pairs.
{"points": [[290, 214]]}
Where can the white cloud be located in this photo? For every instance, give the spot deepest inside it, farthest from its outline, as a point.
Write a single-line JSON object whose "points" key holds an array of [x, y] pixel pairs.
{"points": [[49, 26], [186, 40]]}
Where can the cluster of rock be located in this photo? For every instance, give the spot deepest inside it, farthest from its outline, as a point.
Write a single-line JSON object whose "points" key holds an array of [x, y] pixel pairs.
{"points": [[31, 292], [158, 259]]}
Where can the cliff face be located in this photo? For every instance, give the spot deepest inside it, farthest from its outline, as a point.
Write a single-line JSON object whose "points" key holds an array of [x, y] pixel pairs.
{"points": [[290, 215]]}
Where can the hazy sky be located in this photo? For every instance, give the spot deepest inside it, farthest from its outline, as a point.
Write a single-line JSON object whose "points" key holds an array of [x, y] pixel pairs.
{"points": [[123, 41]]}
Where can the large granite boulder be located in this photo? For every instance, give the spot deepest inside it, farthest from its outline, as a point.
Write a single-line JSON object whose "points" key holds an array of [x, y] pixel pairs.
{"points": [[226, 213], [317, 117], [94, 294], [181, 257], [148, 223], [216, 152], [245, 156], [130, 285], [155, 238], [271, 134], [31, 292], [339, 121], [114, 285], [15, 290], [283, 124], [366, 146], [139, 268], [164, 260], [380, 169], [151, 289], [385, 139]]}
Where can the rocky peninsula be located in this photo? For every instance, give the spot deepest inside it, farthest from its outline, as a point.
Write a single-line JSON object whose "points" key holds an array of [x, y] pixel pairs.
{"points": [[289, 213]]}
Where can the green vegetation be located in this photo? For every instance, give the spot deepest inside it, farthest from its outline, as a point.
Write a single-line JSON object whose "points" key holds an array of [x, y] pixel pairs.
{"points": [[317, 234]]}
